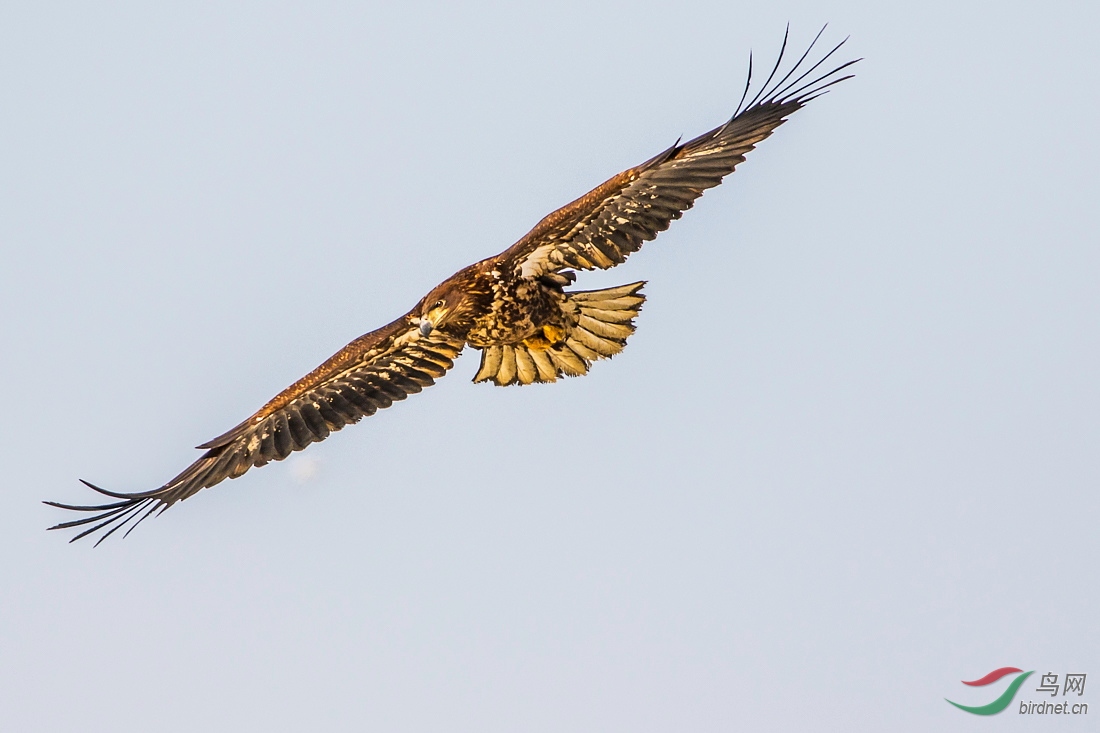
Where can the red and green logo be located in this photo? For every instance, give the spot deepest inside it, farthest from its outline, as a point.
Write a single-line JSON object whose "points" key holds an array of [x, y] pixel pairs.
{"points": [[1001, 702]]}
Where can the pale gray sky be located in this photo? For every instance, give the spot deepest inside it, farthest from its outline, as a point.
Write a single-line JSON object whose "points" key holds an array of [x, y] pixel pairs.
{"points": [[848, 460]]}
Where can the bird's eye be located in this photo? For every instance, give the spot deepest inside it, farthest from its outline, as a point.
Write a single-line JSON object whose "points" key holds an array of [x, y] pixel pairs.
{"points": [[438, 304]]}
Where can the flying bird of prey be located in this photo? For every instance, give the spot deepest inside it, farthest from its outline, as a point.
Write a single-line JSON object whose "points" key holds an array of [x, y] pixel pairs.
{"points": [[515, 308]]}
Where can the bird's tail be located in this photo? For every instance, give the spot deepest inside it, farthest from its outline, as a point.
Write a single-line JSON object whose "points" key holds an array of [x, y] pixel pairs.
{"points": [[603, 319]]}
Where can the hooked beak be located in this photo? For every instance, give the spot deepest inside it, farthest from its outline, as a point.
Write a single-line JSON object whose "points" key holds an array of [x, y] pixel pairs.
{"points": [[425, 327]]}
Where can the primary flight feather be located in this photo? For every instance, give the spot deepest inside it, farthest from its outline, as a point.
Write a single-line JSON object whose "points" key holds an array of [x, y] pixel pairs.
{"points": [[513, 307]]}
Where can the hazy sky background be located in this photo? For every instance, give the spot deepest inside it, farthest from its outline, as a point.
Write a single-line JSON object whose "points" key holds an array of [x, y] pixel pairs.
{"points": [[849, 459]]}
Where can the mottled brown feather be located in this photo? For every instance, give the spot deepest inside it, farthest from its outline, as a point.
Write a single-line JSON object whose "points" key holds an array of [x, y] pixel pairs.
{"points": [[371, 372], [602, 228]]}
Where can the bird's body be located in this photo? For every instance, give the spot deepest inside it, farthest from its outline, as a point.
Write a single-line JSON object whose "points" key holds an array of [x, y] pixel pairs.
{"points": [[515, 308], [504, 308]]}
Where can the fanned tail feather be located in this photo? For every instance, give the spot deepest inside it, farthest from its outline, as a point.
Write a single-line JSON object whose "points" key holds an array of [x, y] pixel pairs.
{"points": [[604, 321]]}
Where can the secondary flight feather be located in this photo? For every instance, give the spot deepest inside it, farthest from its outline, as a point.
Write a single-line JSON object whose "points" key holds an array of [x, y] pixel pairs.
{"points": [[515, 308]]}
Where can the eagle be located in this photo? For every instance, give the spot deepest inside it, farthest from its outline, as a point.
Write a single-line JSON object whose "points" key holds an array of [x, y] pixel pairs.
{"points": [[516, 308]]}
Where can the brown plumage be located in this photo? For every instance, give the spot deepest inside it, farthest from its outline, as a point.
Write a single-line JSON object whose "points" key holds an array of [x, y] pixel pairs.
{"points": [[513, 307]]}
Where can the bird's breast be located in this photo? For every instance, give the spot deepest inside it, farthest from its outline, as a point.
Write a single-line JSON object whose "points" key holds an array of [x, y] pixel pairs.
{"points": [[519, 309]]}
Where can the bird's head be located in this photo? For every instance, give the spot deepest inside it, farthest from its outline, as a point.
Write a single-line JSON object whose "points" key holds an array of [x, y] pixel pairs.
{"points": [[446, 305]]}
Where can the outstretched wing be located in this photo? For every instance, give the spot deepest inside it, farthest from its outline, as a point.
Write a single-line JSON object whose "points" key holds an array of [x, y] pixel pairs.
{"points": [[602, 228], [369, 374]]}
